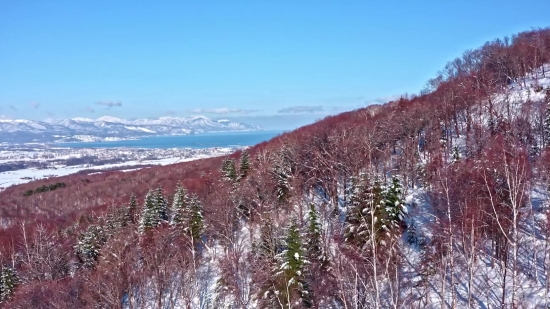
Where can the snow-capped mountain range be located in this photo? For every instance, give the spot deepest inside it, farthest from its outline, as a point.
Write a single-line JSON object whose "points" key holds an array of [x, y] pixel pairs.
{"points": [[111, 128]]}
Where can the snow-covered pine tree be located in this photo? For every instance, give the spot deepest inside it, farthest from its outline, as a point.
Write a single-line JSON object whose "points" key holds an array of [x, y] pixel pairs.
{"points": [[266, 250], [395, 209], [110, 224], [313, 234], [180, 207], [290, 269], [114, 220], [155, 210], [456, 154], [132, 210], [228, 170], [161, 205], [412, 233], [196, 220], [8, 283], [244, 165], [365, 219], [149, 215], [349, 188], [318, 258], [88, 246]]}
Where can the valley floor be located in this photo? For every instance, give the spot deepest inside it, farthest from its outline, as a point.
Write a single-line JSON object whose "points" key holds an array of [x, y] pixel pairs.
{"points": [[18, 166]]}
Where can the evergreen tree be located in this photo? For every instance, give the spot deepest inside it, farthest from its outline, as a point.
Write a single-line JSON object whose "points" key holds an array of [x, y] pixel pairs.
{"points": [[412, 233], [149, 216], [319, 261], [313, 235], [114, 220], [155, 210], [290, 269], [180, 207], [8, 283], [161, 205], [395, 209], [456, 154], [196, 220], [110, 224], [365, 220], [348, 191], [132, 209], [376, 212], [244, 165], [228, 170], [88, 246]]}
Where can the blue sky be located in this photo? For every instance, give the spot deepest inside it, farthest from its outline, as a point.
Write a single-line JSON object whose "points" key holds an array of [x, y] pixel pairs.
{"points": [[280, 64]]}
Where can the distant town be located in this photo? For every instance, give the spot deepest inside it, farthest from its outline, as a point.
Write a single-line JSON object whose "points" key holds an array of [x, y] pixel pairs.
{"points": [[27, 163]]}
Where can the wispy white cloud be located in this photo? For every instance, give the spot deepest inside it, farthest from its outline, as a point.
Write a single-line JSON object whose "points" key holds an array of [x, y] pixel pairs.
{"points": [[301, 109], [89, 109], [278, 121], [224, 110], [109, 104]]}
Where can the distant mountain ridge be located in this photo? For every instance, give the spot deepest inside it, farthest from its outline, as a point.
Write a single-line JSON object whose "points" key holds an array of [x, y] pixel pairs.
{"points": [[111, 128]]}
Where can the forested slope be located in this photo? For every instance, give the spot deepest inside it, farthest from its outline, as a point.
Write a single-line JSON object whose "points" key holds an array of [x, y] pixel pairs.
{"points": [[438, 200]]}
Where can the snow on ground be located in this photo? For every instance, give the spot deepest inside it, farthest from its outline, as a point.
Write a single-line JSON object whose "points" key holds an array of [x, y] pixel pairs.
{"points": [[21, 176]]}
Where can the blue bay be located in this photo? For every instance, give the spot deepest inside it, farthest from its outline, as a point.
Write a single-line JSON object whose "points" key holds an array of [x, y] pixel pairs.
{"points": [[208, 140]]}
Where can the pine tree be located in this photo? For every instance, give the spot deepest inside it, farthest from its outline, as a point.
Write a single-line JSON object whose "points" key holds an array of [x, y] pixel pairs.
{"points": [[365, 220], [132, 209], [348, 191], [313, 235], [8, 283], [394, 205], [244, 165], [180, 207], [290, 268], [319, 262], [88, 246], [456, 154], [196, 219], [412, 233], [115, 219], [110, 225], [161, 205], [149, 216], [155, 210], [228, 170]]}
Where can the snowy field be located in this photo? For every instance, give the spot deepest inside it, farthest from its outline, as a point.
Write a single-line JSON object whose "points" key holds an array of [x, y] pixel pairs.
{"points": [[54, 160]]}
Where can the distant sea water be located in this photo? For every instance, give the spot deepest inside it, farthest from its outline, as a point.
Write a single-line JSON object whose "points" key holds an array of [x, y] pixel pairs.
{"points": [[207, 140]]}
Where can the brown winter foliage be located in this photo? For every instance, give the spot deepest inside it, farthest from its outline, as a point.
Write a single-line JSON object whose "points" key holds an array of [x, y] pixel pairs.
{"points": [[476, 160]]}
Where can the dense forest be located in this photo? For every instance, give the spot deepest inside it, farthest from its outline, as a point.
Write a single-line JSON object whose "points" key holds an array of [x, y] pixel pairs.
{"points": [[435, 200]]}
